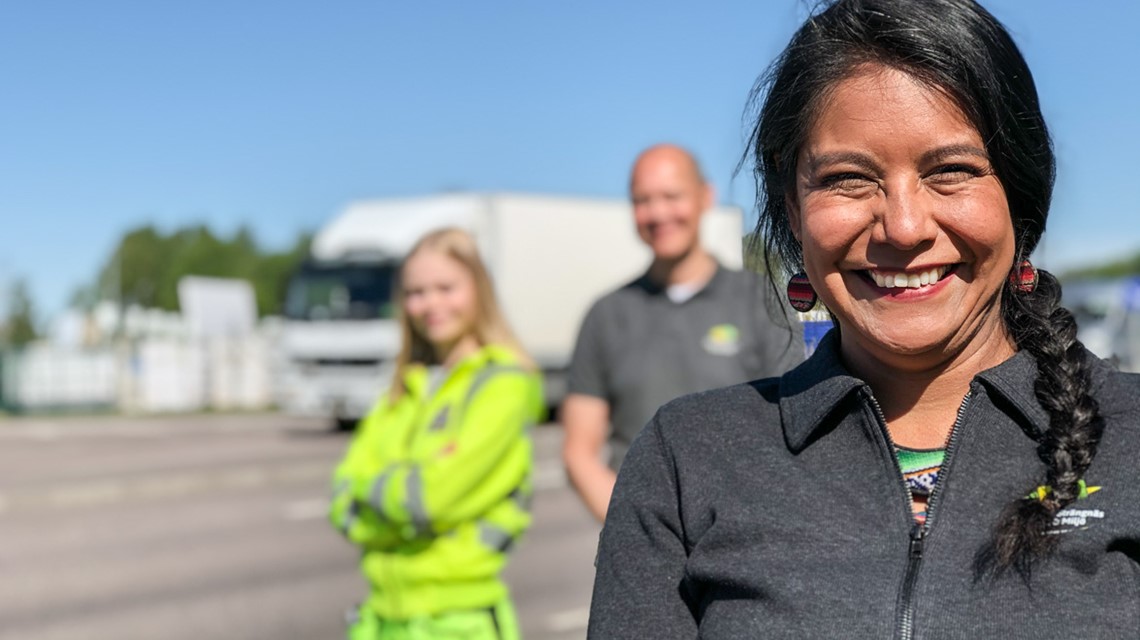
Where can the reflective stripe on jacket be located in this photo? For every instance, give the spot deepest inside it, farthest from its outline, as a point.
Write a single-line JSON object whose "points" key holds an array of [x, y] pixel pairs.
{"points": [[436, 487]]}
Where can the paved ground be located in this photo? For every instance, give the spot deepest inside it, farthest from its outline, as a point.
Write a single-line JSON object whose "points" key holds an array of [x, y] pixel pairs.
{"points": [[211, 527]]}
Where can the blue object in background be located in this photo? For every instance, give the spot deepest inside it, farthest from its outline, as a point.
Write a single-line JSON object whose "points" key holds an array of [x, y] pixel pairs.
{"points": [[814, 331], [1132, 294]]}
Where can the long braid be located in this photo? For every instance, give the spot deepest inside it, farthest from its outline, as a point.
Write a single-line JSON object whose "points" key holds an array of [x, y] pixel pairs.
{"points": [[1048, 332]]}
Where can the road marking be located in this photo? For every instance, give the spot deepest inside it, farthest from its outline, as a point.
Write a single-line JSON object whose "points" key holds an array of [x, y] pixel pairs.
{"points": [[306, 509], [153, 426], [45, 433], [96, 493], [570, 620], [548, 476], [91, 494]]}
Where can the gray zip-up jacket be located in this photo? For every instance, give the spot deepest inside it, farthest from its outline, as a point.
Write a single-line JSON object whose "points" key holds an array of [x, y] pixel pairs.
{"points": [[776, 509]]}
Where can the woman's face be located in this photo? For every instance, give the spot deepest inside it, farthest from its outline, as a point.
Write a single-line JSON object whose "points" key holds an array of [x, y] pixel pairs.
{"points": [[906, 231], [439, 298]]}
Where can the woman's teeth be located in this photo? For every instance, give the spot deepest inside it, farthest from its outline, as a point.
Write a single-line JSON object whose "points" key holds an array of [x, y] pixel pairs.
{"points": [[909, 280]]}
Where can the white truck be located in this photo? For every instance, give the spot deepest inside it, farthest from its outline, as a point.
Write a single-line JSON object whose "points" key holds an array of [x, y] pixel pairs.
{"points": [[550, 258]]}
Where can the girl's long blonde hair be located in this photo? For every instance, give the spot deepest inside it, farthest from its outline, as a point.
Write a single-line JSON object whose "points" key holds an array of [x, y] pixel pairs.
{"points": [[491, 325]]}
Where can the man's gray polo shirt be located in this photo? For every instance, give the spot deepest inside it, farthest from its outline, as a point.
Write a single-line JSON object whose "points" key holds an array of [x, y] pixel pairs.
{"points": [[638, 349]]}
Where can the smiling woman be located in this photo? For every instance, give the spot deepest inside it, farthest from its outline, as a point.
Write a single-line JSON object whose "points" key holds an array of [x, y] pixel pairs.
{"points": [[435, 487], [894, 186], [951, 462]]}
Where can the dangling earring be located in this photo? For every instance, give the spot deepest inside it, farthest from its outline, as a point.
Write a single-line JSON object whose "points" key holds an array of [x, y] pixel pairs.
{"points": [[1023, 277], [801, 295]]}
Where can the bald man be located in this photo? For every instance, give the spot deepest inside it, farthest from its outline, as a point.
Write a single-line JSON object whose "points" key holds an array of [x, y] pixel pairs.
{"points": [[686, 325]]}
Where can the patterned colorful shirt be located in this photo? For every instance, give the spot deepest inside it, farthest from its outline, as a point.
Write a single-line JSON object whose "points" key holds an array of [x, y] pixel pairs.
{"points": [[920, 471]]}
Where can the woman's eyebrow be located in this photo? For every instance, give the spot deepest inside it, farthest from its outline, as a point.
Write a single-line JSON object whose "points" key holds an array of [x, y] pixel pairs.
{"points": [[863, 161], [951, 150]]}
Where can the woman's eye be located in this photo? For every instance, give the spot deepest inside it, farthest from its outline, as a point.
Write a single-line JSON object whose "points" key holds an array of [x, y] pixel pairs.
{"points": [[954, 173], [846, 181]]}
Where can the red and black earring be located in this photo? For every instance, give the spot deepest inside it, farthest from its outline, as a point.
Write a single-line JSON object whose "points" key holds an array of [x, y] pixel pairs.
{"points": [[801, 295], [1023, 277]]}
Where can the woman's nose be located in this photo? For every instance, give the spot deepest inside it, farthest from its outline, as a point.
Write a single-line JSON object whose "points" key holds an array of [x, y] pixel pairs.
{"points": [[905, 220]]}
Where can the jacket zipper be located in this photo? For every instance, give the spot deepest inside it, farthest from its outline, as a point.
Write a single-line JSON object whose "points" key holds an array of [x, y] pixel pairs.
{"points": [[393, 587], [904, 617], [388, 570], [421, 411]]}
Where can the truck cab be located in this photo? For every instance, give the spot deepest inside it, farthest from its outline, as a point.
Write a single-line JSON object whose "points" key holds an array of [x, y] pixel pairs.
{"points": [[340, 337]]}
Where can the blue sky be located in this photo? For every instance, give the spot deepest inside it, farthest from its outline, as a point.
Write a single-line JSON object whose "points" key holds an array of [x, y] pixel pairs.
{"points": [[275, 114]]}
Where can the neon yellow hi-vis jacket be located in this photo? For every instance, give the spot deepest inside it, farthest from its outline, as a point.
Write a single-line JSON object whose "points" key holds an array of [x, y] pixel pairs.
{"points": [[436, 487]]}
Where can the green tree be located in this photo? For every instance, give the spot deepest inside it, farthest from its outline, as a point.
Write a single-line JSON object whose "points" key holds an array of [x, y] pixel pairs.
{"points": [[754, 254], [1116, 269], [147, 265], [20, 325], [271, 275], [132, 274], [84, 297]]}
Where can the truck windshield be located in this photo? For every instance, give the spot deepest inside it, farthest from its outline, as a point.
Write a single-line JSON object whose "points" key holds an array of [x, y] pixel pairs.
{"points": [[341, 292]]}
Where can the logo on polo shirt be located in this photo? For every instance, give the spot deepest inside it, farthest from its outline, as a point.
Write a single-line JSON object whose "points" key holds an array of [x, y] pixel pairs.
{"points": [[722, 340]]}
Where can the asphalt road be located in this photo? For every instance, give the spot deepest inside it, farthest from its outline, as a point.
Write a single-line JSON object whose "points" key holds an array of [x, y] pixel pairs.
{"points": [[209, 527]]}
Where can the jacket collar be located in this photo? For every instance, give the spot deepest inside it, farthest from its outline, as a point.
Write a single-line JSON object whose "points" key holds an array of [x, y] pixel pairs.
{"points": [[417, 378], [654, 288], [812, 391], [1013, 381]]}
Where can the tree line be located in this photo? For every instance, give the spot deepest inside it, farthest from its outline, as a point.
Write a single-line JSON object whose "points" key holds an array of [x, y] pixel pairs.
{"points": [[19, 323], [1128, 266], [146, 265]]}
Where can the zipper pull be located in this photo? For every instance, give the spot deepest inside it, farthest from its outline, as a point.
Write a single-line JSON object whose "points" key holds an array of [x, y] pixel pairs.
{"points": [[917, 535]]}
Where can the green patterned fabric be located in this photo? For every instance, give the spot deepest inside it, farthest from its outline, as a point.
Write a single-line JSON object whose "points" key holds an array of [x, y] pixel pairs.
{"points": [[920, 469]]}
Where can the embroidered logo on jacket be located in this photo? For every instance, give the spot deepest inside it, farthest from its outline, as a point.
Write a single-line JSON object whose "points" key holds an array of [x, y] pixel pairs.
{"points": [[1071, 518]]}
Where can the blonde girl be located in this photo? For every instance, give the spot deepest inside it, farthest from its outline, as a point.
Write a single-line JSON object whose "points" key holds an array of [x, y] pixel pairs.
{"points": [[436, 484]]}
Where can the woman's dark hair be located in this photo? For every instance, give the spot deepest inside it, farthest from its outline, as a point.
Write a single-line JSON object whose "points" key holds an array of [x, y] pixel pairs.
{"points": [[961, 50]]}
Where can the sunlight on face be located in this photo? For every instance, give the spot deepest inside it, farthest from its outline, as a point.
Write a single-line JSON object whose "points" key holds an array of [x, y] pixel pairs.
{"points": [[669, 198], [906, 231], [440, 298]]}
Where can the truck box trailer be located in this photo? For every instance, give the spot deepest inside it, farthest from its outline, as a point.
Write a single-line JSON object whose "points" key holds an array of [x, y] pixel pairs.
{"points": [[550, 257]]}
